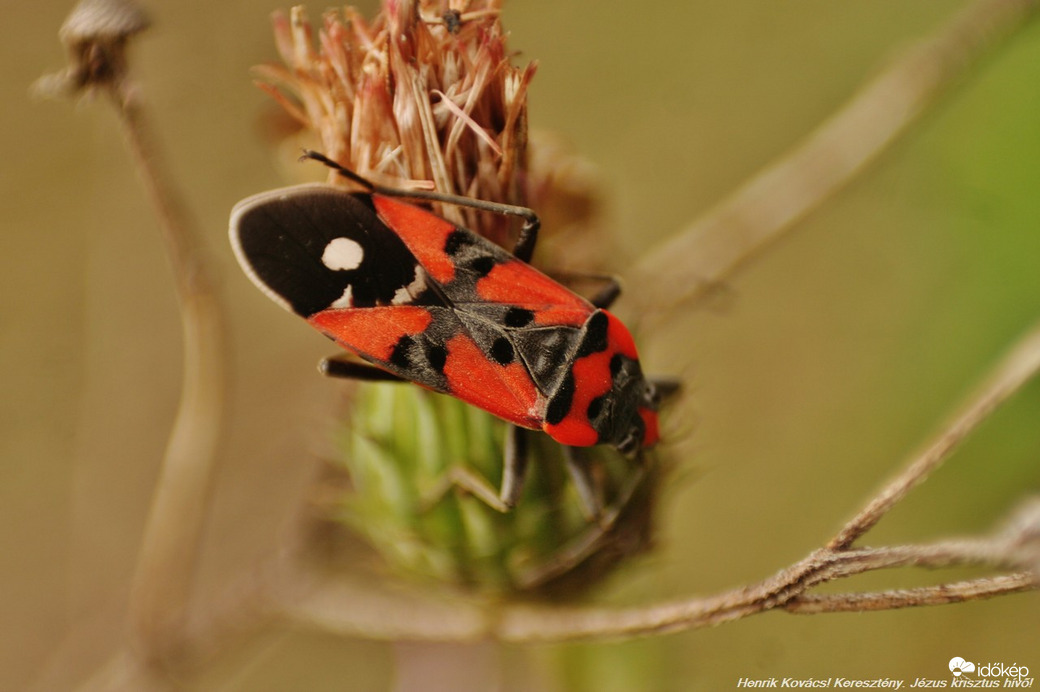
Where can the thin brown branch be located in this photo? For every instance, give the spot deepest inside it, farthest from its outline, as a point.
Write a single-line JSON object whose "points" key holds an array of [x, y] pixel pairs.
{"points": [[387, 612], [1019, 366], [334, 605], [940, 594], [708, 252], [528, 623]]}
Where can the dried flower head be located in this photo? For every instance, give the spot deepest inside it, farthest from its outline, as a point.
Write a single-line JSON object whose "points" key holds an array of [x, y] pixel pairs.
{"points": [[423, 96]]}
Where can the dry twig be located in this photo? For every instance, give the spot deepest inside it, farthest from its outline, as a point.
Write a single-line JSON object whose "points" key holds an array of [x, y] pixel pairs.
{"points": [[97, 33]]}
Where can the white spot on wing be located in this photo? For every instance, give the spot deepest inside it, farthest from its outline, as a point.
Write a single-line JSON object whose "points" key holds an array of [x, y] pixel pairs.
{"points": [[342, 254], [344, 301], [407, 294]]}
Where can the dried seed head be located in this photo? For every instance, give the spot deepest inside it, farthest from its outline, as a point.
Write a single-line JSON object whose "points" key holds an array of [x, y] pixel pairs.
{"points": [[422, 96], [105, 21], [96, 34]]}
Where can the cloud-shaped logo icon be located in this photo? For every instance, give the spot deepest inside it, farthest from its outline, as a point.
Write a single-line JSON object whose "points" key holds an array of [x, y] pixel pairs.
{"points": [[958, 665]]}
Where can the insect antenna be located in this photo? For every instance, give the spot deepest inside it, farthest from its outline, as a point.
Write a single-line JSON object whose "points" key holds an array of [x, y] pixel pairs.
{"points": [[342, 170]]}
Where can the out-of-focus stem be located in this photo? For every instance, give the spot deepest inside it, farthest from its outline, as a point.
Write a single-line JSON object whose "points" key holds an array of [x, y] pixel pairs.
{"points": [[166, 563]]}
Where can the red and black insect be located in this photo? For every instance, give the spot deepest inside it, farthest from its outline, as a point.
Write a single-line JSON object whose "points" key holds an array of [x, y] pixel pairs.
{"points": [[418, 298]]}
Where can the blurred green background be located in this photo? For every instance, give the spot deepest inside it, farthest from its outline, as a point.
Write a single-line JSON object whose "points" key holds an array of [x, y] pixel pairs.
{"points": [[820, 368]]}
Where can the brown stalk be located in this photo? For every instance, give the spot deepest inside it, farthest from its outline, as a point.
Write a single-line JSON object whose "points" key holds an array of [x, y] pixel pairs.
{"points": [[97, 34]]}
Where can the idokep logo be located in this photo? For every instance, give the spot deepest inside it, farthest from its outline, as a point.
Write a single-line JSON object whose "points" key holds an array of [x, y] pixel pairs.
{"points": [[959, 666], [968, 674]]}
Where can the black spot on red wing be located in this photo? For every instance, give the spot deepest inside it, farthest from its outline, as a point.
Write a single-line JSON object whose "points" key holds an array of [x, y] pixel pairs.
{"points": [[437, 356], [595, 338], [482, 266], [457, 240], [421, 356], [616, 362], [502, 351], [560, 404], [401, 356], [518, 317], [474, 258]]}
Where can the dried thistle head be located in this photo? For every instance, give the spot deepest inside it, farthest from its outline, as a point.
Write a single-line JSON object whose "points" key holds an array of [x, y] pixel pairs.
{"points": [[425, 96]]}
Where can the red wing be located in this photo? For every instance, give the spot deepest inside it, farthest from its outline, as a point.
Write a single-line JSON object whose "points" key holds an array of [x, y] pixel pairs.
{"points": [[471, 269], [372, 333], [506, 391], [517, 283], [431, 347], [425, 234]]}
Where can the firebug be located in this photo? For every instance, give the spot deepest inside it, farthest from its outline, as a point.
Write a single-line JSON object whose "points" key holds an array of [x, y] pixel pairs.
{"points": [[411, 296]]}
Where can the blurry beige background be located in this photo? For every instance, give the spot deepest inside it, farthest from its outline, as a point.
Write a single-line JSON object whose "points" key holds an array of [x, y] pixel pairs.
{"points": [[817, 371]]}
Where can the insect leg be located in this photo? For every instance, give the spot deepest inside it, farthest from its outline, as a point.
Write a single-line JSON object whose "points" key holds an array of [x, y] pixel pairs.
{"points": [[528, 238], [525, 242], [514, 466], [514, 474], [610, 287], [470, 481], [590, 492], [606, 296], [665, 387], [347, 368]]}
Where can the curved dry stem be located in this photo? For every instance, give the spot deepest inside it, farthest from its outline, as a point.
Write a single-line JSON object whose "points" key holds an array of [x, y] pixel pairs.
{"points": [[710, 250], [166, 564], [97, 34]]}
